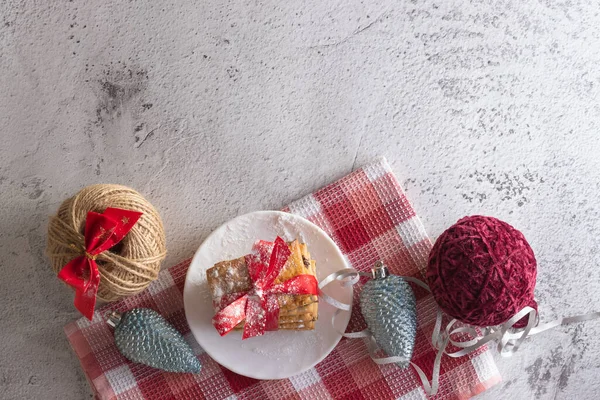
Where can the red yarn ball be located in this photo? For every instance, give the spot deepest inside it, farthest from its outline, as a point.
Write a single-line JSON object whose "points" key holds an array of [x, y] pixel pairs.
{"points": [[482, 271]]}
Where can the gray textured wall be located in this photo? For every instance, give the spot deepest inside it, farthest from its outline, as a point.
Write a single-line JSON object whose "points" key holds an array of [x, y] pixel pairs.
{"points": [[217, 108]]}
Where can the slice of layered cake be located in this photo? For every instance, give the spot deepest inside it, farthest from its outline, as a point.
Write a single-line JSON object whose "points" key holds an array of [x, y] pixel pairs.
{"points": [[229, 279]]}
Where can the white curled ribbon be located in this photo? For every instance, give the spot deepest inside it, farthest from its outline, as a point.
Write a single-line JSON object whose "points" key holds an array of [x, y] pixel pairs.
{"points": [[508, 340], [349, 277]]}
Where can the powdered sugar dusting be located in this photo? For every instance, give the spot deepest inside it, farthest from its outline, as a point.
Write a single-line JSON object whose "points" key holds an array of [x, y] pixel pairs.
{"points": [[283, 349], [218, 291], [234, 237], [235, 240], [288, 228], [205, 292]]}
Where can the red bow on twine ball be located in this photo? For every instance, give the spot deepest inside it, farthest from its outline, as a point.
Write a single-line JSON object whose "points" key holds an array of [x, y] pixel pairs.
{"points": [[102, 231], [259, 306]]}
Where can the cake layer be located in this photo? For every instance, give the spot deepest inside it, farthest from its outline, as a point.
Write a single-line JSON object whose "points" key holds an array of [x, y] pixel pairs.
{"points": [[296, 326]]}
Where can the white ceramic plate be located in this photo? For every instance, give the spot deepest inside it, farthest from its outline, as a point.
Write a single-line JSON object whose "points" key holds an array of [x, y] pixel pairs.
{"points": [[278, 354]]}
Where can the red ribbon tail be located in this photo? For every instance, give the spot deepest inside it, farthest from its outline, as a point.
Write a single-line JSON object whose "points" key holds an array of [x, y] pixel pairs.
{"points": [[85, 297], [226, 319], [255, 318], [271, 307], [277, 260], [73, 274]]}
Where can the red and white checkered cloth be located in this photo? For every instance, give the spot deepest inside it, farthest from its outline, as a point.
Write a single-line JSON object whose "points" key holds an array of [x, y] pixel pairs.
{"points": [[369, 217]]}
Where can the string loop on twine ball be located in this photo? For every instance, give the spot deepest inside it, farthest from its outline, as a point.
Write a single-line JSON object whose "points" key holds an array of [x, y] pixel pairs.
{"points": [[131, 265], [482, 271]]}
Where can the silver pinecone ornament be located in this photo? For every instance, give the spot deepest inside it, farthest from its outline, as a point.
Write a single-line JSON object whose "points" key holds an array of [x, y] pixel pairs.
{"points": [[144, 336], [388, 305]]}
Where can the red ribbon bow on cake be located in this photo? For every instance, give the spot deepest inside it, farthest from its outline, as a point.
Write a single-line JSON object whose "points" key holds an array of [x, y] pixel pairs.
{"points": [[102, 231], [260, 306]]}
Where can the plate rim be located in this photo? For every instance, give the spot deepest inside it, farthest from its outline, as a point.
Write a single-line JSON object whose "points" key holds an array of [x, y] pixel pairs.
{"points": [[187, 286]]}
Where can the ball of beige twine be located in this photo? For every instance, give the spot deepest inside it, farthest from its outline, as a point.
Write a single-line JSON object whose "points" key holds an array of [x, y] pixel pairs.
{"points": [[131, 265]]}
